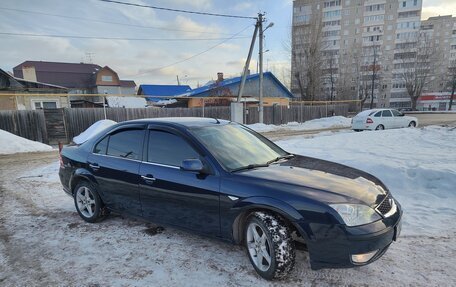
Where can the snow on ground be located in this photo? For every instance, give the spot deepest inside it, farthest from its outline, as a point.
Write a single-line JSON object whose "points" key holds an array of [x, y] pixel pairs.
{"points": [[10, 143], [44, 242], [317, 124], [93, 130], [417, 165]]}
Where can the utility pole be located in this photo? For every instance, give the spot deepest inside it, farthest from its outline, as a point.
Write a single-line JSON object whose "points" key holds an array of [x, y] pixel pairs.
{"points": [[260, 27], [247, 63], [178, 82]]}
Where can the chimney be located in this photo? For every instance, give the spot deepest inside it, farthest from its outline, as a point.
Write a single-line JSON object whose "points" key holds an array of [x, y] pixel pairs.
{"points": [[219, 77]]}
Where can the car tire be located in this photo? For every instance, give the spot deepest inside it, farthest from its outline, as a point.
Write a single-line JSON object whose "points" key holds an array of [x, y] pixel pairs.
{"points": [[275, 242], [358, 130], [380, 128], [412, 124], [88, 203]]}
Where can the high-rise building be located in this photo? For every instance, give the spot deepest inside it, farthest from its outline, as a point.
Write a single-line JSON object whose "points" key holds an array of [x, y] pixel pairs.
{"points": [[347, 49], [441, 30]]}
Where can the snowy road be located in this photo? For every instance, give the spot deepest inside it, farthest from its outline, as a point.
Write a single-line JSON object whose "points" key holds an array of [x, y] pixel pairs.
{"points": [[44, 242]]}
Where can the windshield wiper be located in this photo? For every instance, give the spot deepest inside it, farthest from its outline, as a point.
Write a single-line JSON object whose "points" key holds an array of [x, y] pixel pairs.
{"points": [[250, 166], [288, 156]]}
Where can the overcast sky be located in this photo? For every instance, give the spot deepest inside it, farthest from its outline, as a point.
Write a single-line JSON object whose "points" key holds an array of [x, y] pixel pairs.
{"points": [[141, 60]]}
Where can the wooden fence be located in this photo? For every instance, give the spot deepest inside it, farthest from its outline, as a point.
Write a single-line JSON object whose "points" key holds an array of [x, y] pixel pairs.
{"points": [[78, 120], [54, 125], [278, 115], [26, 124]]}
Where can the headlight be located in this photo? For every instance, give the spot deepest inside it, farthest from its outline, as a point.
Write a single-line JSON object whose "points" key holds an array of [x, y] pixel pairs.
{"points": [[356, 214]]}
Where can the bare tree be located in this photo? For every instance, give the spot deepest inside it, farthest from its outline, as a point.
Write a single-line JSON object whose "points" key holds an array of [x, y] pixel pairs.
{"points": [[416, 62], [330, 73], [306, 57], [368, 74]]}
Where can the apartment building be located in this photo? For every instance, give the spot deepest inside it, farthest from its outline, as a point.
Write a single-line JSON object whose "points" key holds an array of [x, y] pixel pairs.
{"points": [[360, 40], [441, 30]]}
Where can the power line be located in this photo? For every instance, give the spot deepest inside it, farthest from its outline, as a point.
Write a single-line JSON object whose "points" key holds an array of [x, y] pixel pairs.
{"points": [[193, 56], [178, 10], [118, 38], [111, 22]]}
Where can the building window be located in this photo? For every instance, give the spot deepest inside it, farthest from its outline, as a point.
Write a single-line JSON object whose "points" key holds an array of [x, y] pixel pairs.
{"points": [[106, 78], [415, 2], [404, 3], [47, 104]]}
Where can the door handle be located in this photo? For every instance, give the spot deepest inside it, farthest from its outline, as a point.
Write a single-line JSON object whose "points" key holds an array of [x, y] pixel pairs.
{"points": [[94, 166], [148, 178]]}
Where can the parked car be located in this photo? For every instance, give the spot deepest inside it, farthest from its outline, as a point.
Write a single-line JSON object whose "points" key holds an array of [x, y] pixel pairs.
{"points": [[380, 119], [223, 180]]}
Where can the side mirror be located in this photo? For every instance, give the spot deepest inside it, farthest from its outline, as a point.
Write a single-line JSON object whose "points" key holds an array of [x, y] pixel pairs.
{"points": [[194, 165]]}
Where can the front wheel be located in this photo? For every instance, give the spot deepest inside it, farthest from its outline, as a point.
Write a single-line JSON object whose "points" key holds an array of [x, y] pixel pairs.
{"points": [[88, 202], [270, 246], [412, 124]]}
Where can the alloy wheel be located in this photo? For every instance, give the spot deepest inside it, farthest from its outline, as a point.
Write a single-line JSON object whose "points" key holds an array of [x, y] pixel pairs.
{"points": [[259, 246], [85, 201]]}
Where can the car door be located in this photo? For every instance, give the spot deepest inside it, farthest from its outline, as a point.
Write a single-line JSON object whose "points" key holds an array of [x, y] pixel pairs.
{"points": [[398, 119], [173, 196], [387, 119], [115, 163]]}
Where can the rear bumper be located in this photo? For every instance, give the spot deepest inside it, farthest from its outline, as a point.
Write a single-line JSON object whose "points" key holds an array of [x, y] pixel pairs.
{"points": [[334, 246]]}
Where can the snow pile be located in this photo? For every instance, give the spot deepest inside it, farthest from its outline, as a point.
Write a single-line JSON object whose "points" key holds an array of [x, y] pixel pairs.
{"points": [[417, 165], [317, 124], [93, 130], [10, 143], [126, 102]]}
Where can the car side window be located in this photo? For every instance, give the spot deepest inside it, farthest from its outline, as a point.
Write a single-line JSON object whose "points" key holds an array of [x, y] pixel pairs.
{"points": [[396, 113], [386, 113], [126, 144], [170, 149], [101, 146], [378, 114]]}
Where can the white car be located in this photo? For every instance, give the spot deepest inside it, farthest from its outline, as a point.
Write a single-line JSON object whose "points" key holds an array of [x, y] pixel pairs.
{"points": [[380, 119]]}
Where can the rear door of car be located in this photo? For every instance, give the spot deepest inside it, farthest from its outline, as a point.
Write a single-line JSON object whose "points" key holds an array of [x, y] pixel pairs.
{"points": [[173, 196], [115, 162], [387, 119]]}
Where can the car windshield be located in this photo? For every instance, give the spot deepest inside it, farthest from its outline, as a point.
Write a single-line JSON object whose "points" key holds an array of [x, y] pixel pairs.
{"points": [[236, 147]]}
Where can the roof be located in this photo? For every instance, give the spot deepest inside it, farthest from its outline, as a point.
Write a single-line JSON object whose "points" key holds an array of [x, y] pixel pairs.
{"points": [[235, 81], [127, 84], [18, 83], [70, 75], [163, 90]]}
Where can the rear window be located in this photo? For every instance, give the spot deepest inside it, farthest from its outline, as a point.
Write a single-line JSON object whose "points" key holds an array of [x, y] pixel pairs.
{"points": [[126, 144]]}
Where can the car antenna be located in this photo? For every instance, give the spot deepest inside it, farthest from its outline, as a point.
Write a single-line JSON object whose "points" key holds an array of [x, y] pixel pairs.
{"points": [[217, 120]]}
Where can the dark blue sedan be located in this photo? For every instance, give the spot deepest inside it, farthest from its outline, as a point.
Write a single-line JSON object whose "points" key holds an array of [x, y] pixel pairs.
{"points": [[223, 180]]}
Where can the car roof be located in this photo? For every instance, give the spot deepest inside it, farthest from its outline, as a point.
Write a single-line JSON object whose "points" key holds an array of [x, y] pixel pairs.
{"points": [[187, 122], [371, 111]]}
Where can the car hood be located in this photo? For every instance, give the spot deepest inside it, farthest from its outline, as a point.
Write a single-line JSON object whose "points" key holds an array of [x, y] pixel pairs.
{"points": [[334, 182]]}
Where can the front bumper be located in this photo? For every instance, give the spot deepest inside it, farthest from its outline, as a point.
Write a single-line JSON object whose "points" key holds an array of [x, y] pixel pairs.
{"points": [[333, 246]]}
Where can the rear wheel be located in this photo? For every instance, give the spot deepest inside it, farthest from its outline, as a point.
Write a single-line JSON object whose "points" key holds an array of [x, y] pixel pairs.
{"points": [[270, 246], [88, 202], [412, 124], [380, 128]]}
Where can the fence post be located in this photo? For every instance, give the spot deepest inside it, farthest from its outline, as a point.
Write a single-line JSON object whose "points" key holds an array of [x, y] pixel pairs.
{"points": [[104, 106], [204, 103]]}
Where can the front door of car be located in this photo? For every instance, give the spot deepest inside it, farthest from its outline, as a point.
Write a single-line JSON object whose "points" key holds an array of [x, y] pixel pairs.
{"points": [[398, 119], [173, 196], [115, 163]]}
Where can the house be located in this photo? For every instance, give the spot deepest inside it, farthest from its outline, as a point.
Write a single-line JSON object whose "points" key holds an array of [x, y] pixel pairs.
{"points": [[78, 78], [160, 95], [13, 90], [227, 90]]}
